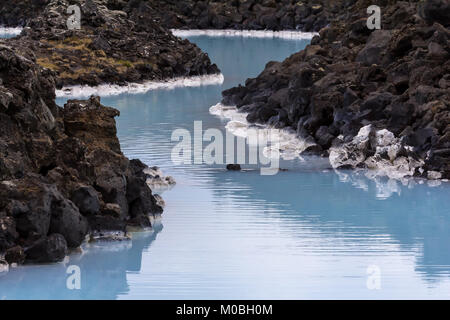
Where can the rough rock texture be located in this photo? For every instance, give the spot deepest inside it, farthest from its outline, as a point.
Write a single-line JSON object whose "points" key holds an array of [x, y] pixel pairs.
{"points": [[62, 173], [306, 15], [154, 176], [378, 150], [396, 78], [111, 46], [16, 13], [47, 249]]}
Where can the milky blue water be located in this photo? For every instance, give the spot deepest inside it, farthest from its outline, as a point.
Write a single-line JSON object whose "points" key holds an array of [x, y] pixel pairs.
{"points": [[7, 33], [305, 233]]}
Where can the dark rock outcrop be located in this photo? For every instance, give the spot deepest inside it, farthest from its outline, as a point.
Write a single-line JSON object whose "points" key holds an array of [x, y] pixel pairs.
{"points": [[18, 13], [62, 173], [396, 79], [86, 199], [15, 255], [47, 249], [309, 15], [112, 46], [437, 10]]}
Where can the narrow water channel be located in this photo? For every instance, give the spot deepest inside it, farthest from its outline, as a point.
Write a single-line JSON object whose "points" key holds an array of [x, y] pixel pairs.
{"points": [[308, 232]]}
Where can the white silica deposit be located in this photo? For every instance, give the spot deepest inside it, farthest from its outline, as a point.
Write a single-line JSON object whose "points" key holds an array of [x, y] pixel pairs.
{"points": [[105, 90], [10, 31], [282, 142], [284, 34]]}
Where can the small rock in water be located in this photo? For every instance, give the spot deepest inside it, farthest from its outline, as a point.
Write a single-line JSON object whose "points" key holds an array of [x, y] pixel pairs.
{"points": [[234, 167]]}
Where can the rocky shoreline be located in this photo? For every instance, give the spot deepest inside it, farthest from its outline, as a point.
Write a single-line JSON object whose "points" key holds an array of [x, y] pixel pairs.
{"points": [[17, 13], [366, 99], [275, 15], [63, 175], [307, 15], [111, 46]]}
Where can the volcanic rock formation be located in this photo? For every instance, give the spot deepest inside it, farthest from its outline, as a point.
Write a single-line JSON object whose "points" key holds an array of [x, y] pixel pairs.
{"points": [[62, 173], [111, 46], [395, 79]]}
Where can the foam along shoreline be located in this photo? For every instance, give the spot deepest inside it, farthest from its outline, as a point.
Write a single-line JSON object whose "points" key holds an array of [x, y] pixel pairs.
{"points": [[105, 90], [290, 146], [6, 31], [287, 34], [282, 142]]}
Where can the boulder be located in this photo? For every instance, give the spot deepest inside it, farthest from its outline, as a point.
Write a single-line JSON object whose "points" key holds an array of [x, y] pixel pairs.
{"points": [[86, 199], [435, 11], [47, 249], [374, 49], [29, 202], [67, 221], [102, 223]]}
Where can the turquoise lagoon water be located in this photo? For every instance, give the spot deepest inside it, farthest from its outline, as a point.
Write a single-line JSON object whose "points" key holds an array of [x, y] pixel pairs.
{"points": [[6, 33], [306, 233]]}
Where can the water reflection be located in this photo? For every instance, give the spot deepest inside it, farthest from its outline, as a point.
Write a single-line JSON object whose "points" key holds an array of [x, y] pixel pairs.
{"points": [[413, 215], [104, 267], [309, 232]]}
